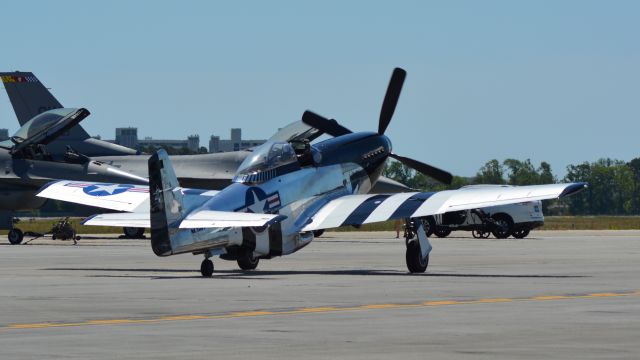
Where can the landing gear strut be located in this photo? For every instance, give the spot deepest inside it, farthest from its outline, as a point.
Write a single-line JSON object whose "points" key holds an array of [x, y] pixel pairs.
{"points": [[418, 247]]}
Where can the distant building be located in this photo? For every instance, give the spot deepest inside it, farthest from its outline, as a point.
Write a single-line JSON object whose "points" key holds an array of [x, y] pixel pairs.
{"points": [[192, 143], [129, 137], [4, 134], [236, 142]]}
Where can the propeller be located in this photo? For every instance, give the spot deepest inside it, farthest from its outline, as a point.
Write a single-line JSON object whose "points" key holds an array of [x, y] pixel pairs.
{"points": [[333, 128], [323, 124], [431, 171], [391, 99]]}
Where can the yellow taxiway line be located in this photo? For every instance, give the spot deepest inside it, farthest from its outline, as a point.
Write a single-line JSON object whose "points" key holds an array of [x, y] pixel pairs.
{"points": [[316, 310]]}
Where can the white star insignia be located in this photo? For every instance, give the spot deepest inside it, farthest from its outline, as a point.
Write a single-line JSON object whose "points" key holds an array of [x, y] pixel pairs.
{"points": [[106, 188]]}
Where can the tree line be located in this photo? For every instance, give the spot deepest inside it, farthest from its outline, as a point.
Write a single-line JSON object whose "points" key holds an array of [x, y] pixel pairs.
{"points": [[614, 185]]}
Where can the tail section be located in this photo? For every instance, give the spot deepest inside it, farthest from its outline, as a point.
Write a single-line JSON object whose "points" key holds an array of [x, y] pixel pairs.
{"points": [[29, 97], [166, 204]]}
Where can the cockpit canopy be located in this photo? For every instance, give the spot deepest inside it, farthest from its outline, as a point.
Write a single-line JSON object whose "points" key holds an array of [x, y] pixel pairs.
{"points": [[39, 124], [271, 159]]}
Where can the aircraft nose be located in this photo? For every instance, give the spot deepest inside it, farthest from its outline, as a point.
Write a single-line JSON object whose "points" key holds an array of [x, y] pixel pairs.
{"points": [[388, 146]]}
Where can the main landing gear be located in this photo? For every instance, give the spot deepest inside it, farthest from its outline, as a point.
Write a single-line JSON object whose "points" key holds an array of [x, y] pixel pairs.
{"points": [[418, 246], [8, 222], [206, 268], [15, 236], [246, 260]]}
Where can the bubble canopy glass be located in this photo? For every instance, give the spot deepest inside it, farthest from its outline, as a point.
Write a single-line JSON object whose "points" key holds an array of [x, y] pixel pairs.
{"points": [[37, 125], [271, 159]]}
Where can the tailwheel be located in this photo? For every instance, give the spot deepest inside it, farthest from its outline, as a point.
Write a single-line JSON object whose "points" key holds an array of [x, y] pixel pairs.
{"points": [[15, 236], [206, 268], [246, 260], [415, 262]]}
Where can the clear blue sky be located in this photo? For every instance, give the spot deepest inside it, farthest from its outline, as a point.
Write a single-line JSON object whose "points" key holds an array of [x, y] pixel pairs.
{"points": [[547, 80]]}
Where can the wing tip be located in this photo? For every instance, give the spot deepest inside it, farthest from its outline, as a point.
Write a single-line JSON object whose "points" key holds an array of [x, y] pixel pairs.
{"points": [[46, 186], [573, 189]]}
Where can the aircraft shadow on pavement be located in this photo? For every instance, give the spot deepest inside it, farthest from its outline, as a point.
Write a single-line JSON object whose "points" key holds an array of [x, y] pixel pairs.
{"points": [[271, 274]]}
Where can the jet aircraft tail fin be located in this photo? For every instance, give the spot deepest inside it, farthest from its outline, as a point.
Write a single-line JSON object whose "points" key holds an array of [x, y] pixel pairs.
{"points": [[166, 202], [29, 97]]}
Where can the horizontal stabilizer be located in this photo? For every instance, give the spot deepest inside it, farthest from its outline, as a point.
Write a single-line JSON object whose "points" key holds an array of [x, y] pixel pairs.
{"points": [[137, 220], [221, 219]]}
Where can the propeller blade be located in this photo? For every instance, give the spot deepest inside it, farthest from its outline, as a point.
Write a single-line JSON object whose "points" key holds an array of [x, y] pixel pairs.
{"points": [[323, 124], [391, 99], [428, 170]]}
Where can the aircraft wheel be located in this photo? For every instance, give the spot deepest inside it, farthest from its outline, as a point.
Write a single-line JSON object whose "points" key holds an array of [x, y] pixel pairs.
{"points": [[15, 236], [246, 260], [206, 268], [442, 232], [432, 225], [521, 234], [415, 262], [133, 232], [503, 226], [318, 233]]}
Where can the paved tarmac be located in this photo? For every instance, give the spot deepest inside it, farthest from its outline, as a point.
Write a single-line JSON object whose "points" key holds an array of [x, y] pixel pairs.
{"points": [[560, 295]]}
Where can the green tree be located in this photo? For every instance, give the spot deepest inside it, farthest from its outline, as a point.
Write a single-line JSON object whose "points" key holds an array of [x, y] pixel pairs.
{"points": [[545, 174], [397, 171], [611, 188], [521, 172], [634, 165], [490, 173]]}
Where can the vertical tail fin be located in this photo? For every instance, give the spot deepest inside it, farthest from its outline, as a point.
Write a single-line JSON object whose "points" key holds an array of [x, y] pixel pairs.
{"points": [[166, 203], [29, 97]]}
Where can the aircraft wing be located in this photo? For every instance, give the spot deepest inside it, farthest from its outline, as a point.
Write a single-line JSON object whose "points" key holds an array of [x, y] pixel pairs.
{"points": [[364, 209], [137, 219], [221, 219], [121, 197]]}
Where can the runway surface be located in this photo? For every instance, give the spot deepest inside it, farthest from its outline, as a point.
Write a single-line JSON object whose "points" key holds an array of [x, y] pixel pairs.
{"points": [[561, 295]]}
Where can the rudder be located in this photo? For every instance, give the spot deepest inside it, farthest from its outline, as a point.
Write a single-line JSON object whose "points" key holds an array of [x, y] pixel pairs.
{"points": [[166, 204]]}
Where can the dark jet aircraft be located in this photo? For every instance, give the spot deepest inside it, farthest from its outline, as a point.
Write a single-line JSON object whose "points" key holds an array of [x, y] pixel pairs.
{"points": [[282, 193], [28, 164]]}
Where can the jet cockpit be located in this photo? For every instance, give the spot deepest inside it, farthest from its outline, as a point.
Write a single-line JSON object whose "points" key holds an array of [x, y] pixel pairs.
{"points": [[30, 140]]}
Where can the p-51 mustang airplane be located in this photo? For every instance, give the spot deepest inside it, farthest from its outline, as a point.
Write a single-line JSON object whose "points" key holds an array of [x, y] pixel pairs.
{"points": [[282, 193]]}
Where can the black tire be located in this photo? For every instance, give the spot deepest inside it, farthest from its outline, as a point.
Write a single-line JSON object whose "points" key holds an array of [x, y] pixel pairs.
{"points": [[432, 225], [15, 236], [246, 260], [441, 231], [206, 268], [503, 226], [521, 234], [415, 262], [318, 233], [133, 232]]}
